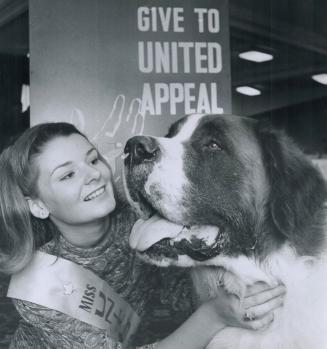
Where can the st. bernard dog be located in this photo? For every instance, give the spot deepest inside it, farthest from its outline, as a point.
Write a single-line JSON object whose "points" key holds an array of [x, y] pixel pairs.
{"points": [[263, 205]]}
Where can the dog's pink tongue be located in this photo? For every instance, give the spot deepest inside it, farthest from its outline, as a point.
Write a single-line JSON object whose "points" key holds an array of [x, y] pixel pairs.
{"points": [[145, 233]]}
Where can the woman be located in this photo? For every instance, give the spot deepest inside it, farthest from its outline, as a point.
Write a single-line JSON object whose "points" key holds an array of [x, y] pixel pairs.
{"points": [[57, 199]]}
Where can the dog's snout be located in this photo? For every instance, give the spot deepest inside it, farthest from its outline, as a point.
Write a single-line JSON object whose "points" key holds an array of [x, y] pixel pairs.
{"points": [[141, 148]]}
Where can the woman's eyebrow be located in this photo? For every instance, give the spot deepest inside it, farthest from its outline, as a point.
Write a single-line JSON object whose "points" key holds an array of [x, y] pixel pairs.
{"points": [[90, 151], [61, 165], [70, 162]]}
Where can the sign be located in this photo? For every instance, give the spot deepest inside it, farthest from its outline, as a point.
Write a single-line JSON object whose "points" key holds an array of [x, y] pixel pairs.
{"points": [[121, 68]]}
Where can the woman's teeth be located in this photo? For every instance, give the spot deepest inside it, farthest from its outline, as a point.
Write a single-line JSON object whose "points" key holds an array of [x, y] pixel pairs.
{"points": [[95, 194]]}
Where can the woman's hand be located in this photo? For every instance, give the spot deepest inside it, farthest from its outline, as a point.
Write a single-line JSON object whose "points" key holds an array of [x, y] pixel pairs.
{"points": [[254, 312]]}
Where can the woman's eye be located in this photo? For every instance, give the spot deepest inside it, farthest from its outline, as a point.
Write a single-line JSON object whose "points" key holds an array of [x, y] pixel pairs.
{"points": [[67, 176], [213, 145]]}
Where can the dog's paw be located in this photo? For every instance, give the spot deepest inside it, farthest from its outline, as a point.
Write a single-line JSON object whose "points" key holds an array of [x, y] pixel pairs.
{"points": [[232, 284]]}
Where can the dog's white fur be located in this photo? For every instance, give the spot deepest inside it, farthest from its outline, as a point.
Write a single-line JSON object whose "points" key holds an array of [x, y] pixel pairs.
{"points": [[167, 176], [302, 321]]}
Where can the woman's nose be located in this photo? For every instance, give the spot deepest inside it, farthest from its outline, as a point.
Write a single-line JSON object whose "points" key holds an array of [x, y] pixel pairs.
{"points": [[91, 174]]}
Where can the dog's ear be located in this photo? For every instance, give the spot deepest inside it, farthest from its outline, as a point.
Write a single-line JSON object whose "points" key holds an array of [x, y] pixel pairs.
{"points": [[297, 191]]}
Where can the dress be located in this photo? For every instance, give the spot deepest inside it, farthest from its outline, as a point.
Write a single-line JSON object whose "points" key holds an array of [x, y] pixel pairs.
{"points": [[161, 297]]}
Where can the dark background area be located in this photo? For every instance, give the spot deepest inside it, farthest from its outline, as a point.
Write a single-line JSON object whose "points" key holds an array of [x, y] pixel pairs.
{"points": [[294, 32], [14, 67]]}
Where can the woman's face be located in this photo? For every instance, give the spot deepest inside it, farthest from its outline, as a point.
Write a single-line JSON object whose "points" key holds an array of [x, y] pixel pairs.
{"points": [[74, 184]]}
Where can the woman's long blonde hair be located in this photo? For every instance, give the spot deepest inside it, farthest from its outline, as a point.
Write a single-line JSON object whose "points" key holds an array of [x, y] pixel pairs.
{"points": [[20, 232]]}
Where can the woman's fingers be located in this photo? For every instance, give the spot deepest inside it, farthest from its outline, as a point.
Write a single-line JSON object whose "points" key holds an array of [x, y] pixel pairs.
{"points": [[267, 295], [260, 303], [263, 309], [259, 324], [258, 287]]}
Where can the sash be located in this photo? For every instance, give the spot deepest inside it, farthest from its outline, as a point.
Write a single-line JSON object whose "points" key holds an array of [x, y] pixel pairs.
{"points": [[65, 286]]}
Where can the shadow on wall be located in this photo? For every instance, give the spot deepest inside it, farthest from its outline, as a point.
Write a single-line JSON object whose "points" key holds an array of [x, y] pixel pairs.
{"points": [[14, 116], [14, 119]]}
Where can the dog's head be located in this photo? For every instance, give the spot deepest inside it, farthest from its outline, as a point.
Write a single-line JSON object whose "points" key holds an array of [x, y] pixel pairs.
{"points": [[250, 182]]}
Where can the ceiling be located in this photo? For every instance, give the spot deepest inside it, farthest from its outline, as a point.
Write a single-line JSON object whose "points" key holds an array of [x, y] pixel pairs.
{"points": [[293, 31]]}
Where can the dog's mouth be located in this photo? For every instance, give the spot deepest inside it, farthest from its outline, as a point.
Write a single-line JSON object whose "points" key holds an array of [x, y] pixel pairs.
{"points": [[196, 249], [199, 243], [170, 241]]}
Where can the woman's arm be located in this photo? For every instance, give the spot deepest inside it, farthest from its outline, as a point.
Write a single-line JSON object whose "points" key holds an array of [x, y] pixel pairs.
{"points": [[255, 312]]}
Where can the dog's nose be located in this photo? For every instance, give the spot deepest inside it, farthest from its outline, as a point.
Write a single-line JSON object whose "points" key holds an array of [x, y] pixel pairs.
{"points": [[140, 149]]}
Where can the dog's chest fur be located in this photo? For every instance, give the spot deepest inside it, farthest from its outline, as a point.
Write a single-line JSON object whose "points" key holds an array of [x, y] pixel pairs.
{"points": [[305, 279]]}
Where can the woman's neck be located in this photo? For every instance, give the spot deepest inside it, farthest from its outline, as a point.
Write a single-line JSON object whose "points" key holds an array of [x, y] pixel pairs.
{"points": [[86, 234]]}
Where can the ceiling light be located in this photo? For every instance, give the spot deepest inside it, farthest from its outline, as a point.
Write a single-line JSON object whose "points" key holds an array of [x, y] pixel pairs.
{"points": [[321, 78], [249, 91], [256, 56]]}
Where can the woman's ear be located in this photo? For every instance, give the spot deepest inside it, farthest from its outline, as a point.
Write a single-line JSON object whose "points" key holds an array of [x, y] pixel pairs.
{"points": [[37, 208]]}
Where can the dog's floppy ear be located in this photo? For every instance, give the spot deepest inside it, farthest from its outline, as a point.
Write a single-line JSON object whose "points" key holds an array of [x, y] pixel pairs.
{"points": [[297, 191]]}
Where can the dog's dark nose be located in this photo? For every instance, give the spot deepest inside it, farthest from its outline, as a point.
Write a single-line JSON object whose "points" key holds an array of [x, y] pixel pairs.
{"points": [[140, 149]]}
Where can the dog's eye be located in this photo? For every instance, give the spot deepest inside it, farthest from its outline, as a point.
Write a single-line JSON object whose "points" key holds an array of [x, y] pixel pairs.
{"points": [[213, 145]]}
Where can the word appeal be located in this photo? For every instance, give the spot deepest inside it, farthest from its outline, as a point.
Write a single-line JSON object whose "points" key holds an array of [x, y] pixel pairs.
{"points": [[194, 98]]}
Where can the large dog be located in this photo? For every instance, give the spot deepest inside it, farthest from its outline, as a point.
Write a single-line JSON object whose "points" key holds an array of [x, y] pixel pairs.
{"points": [[263, 204]]}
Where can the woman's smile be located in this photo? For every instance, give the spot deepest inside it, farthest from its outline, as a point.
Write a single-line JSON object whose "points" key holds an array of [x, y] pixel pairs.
{"points": [[94, 194]]}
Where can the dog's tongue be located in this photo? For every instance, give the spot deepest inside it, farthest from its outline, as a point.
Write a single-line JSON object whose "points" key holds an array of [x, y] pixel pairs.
{"points": [[145, 233]]}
